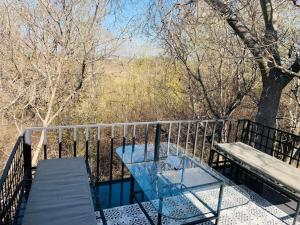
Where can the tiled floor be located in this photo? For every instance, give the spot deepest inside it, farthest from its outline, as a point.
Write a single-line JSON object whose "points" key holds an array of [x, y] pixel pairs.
{"points": [[239, 206]]}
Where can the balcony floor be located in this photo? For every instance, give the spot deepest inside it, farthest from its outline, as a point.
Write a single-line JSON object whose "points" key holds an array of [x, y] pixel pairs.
{"points": [[237, 208]]}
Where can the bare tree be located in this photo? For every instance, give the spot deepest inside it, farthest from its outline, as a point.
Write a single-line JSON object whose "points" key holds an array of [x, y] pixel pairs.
{"points": [[50, 51], [257, 26], [289, 115], [219, 73]]}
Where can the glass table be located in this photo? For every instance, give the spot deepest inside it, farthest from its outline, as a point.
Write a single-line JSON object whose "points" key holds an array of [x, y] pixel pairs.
{"points": [[173, 193]]}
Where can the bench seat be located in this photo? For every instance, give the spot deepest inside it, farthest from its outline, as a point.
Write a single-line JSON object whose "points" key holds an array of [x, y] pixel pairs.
{"points": [[265, 164], [60, 194]]}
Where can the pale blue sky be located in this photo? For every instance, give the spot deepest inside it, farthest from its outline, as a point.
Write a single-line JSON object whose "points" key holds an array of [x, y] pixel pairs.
{"points": [[131, 14]]}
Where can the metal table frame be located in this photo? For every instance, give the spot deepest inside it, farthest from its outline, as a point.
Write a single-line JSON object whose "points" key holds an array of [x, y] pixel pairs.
{"points": [[216, 213]]}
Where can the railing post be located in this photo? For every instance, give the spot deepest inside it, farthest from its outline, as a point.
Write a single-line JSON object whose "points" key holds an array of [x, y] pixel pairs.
{"points": [[245, 132], [27, 162], [157, 142]]}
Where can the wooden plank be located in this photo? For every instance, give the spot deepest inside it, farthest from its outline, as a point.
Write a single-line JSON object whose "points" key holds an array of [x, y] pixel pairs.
{"points": [[269, 166]]}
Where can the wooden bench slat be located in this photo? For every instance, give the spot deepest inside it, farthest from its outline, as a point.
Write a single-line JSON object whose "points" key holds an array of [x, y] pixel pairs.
{"points": [[273, 168]]}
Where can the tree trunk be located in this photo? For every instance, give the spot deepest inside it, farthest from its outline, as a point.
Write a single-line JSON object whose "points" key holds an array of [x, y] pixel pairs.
{"points": [[273, 83], [268, 105], [269, 102], [38, 149]]}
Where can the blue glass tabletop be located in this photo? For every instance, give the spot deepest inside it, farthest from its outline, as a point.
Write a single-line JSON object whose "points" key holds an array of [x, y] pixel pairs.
{"points": [[172, 192]]}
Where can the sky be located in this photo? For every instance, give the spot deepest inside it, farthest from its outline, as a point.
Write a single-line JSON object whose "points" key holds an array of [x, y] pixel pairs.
{"points": [[130, 15]]}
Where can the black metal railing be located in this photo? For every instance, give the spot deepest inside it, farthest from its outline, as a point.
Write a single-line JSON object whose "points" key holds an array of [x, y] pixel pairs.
{"points": [[278, 143], [11, 185], [97, 144]]}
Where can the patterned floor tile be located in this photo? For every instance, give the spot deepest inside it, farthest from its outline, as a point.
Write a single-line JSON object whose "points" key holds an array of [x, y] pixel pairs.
{"points": [[239, 206]]}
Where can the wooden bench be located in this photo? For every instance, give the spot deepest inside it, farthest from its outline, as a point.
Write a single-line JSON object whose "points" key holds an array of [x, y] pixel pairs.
{"points": [[285, 177], [60, 194]]}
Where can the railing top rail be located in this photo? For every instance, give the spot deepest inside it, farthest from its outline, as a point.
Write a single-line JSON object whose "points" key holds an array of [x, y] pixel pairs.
{"points": [[271, 128], [120, 124]]}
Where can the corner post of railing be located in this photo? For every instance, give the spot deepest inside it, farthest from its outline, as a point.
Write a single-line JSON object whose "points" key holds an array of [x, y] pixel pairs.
{"points": [[157, 142], [27, 162]]}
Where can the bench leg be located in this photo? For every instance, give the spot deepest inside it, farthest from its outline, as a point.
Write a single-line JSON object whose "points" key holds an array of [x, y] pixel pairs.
{"points": [[297, 213], [211, 157]]}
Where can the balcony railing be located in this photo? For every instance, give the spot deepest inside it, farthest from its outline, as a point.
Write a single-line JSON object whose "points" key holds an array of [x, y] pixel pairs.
{"points": [[97, 144]]}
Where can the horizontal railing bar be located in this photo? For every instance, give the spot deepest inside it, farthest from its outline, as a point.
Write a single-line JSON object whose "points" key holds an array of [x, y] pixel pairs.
{"points": [[121, 124], [107, 182], [271, 128]]}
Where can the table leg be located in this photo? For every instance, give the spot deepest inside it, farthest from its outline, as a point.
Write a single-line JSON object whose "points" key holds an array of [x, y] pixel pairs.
{"points": [[297, 213], [131, 190], [159, 219], [159, 211], [144, 211], [219, 203]]}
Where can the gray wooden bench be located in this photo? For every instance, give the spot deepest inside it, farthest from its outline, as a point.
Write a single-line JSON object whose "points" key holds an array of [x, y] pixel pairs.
{"points": [[60, 194], [279, 173]]}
